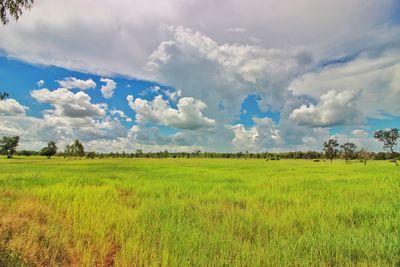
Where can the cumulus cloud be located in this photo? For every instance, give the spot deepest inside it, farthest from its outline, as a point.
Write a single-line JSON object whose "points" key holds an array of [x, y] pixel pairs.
{"points": [[121, 114], [305, 23], [188, 114], [69, 104], [334, 108], [223, 74], [256, 48], [107, 90], [40, 83], [10, 107], [376, 74], [263, 135], [173, 95], [72, 83]]}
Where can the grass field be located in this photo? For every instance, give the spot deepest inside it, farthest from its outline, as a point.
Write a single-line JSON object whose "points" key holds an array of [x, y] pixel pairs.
{"points": [[199, 212]]}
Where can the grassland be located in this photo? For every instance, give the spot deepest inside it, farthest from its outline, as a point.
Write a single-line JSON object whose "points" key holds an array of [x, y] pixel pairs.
{"points": [[199, 212]]}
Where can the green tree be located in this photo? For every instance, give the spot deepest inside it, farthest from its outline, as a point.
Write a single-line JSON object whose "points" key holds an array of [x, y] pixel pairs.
{"points": [[349, 151], [8, 145], [330, 149], [364, 155], [77, 149], [49, 150], [389, 139], [13, 8]]}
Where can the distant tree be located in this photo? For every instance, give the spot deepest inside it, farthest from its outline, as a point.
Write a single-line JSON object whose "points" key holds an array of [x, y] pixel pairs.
{"points": [[349, 151], [78, 149], [91, 155], [8, 145], [49, 150], [13, 8], [26, 153], [139, 153], [3, 95], [67, 151], [389, 139], [330, 149], [364, 155]]}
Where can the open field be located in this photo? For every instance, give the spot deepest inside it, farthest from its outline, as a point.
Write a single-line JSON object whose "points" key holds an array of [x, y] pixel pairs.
{"points": [[199, 212]]}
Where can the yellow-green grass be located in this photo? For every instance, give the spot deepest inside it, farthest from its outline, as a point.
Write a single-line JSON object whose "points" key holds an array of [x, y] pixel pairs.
{"points": [[199, 212]]}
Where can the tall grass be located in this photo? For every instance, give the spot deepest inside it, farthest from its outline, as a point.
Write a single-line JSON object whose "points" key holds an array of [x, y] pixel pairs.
{"points": [[200, 212]]}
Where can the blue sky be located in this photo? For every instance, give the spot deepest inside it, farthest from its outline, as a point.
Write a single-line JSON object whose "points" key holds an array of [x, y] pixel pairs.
{"points": [[182, 78]]}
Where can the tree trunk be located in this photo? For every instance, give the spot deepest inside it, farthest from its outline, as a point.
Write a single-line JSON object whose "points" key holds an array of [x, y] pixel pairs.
{"points": [[394, 156]]}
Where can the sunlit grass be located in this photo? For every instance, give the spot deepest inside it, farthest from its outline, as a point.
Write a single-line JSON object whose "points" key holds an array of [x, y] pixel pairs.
{"points": [[200, 212]]}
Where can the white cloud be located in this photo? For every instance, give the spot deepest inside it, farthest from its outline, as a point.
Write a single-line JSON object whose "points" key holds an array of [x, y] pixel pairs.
{"points": [[361, 138], [376, 75], [262, 136], [11, 107], [334, 108], [107, 90], [237, 30], [121, 114], [40, 83], [69, 104], [188, 114], [130, 39], [257, 48], [223, 74], [72, 82]]}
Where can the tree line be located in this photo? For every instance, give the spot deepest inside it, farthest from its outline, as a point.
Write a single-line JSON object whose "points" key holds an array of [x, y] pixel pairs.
{"points": [[331, 150]]}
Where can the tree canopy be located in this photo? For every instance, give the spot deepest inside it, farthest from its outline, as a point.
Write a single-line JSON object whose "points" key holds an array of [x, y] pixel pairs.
{"points": [[49, 150], [13, 8], [8, 145], [330, 149], [389, 139], [349, 151], [76, 149]]}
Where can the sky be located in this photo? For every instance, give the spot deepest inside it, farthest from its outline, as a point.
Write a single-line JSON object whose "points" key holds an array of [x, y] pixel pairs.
{"points": [[229, 75]]}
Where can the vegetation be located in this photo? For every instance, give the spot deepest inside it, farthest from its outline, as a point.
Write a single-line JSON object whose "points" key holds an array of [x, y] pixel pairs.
{"points": [[13, 8], [49, 150], [76, 149], [330, 149], [199, 212], [389, 139], [349, 151], [8, 145]]}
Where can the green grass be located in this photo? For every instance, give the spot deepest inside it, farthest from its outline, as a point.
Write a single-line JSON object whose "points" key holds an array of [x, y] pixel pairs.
{"points": [[200, 212]]}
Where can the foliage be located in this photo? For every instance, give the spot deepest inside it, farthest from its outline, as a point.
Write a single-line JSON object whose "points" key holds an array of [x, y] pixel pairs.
{"points": [[49, 150], [76, 149], [364, 155], [389, 139], [349, 151], [330, 149], [13, 8], [8, 145]]}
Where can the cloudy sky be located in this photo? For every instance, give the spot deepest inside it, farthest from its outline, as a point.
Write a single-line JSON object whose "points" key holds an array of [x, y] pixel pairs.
{"points": [[183, 75]]}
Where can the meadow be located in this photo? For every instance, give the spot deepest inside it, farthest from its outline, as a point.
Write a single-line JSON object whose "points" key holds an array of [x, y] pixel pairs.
{"points": [[198, 212]]}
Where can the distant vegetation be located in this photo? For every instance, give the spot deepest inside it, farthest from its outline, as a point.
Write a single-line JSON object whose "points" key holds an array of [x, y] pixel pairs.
{"points": [[331, 150]]}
